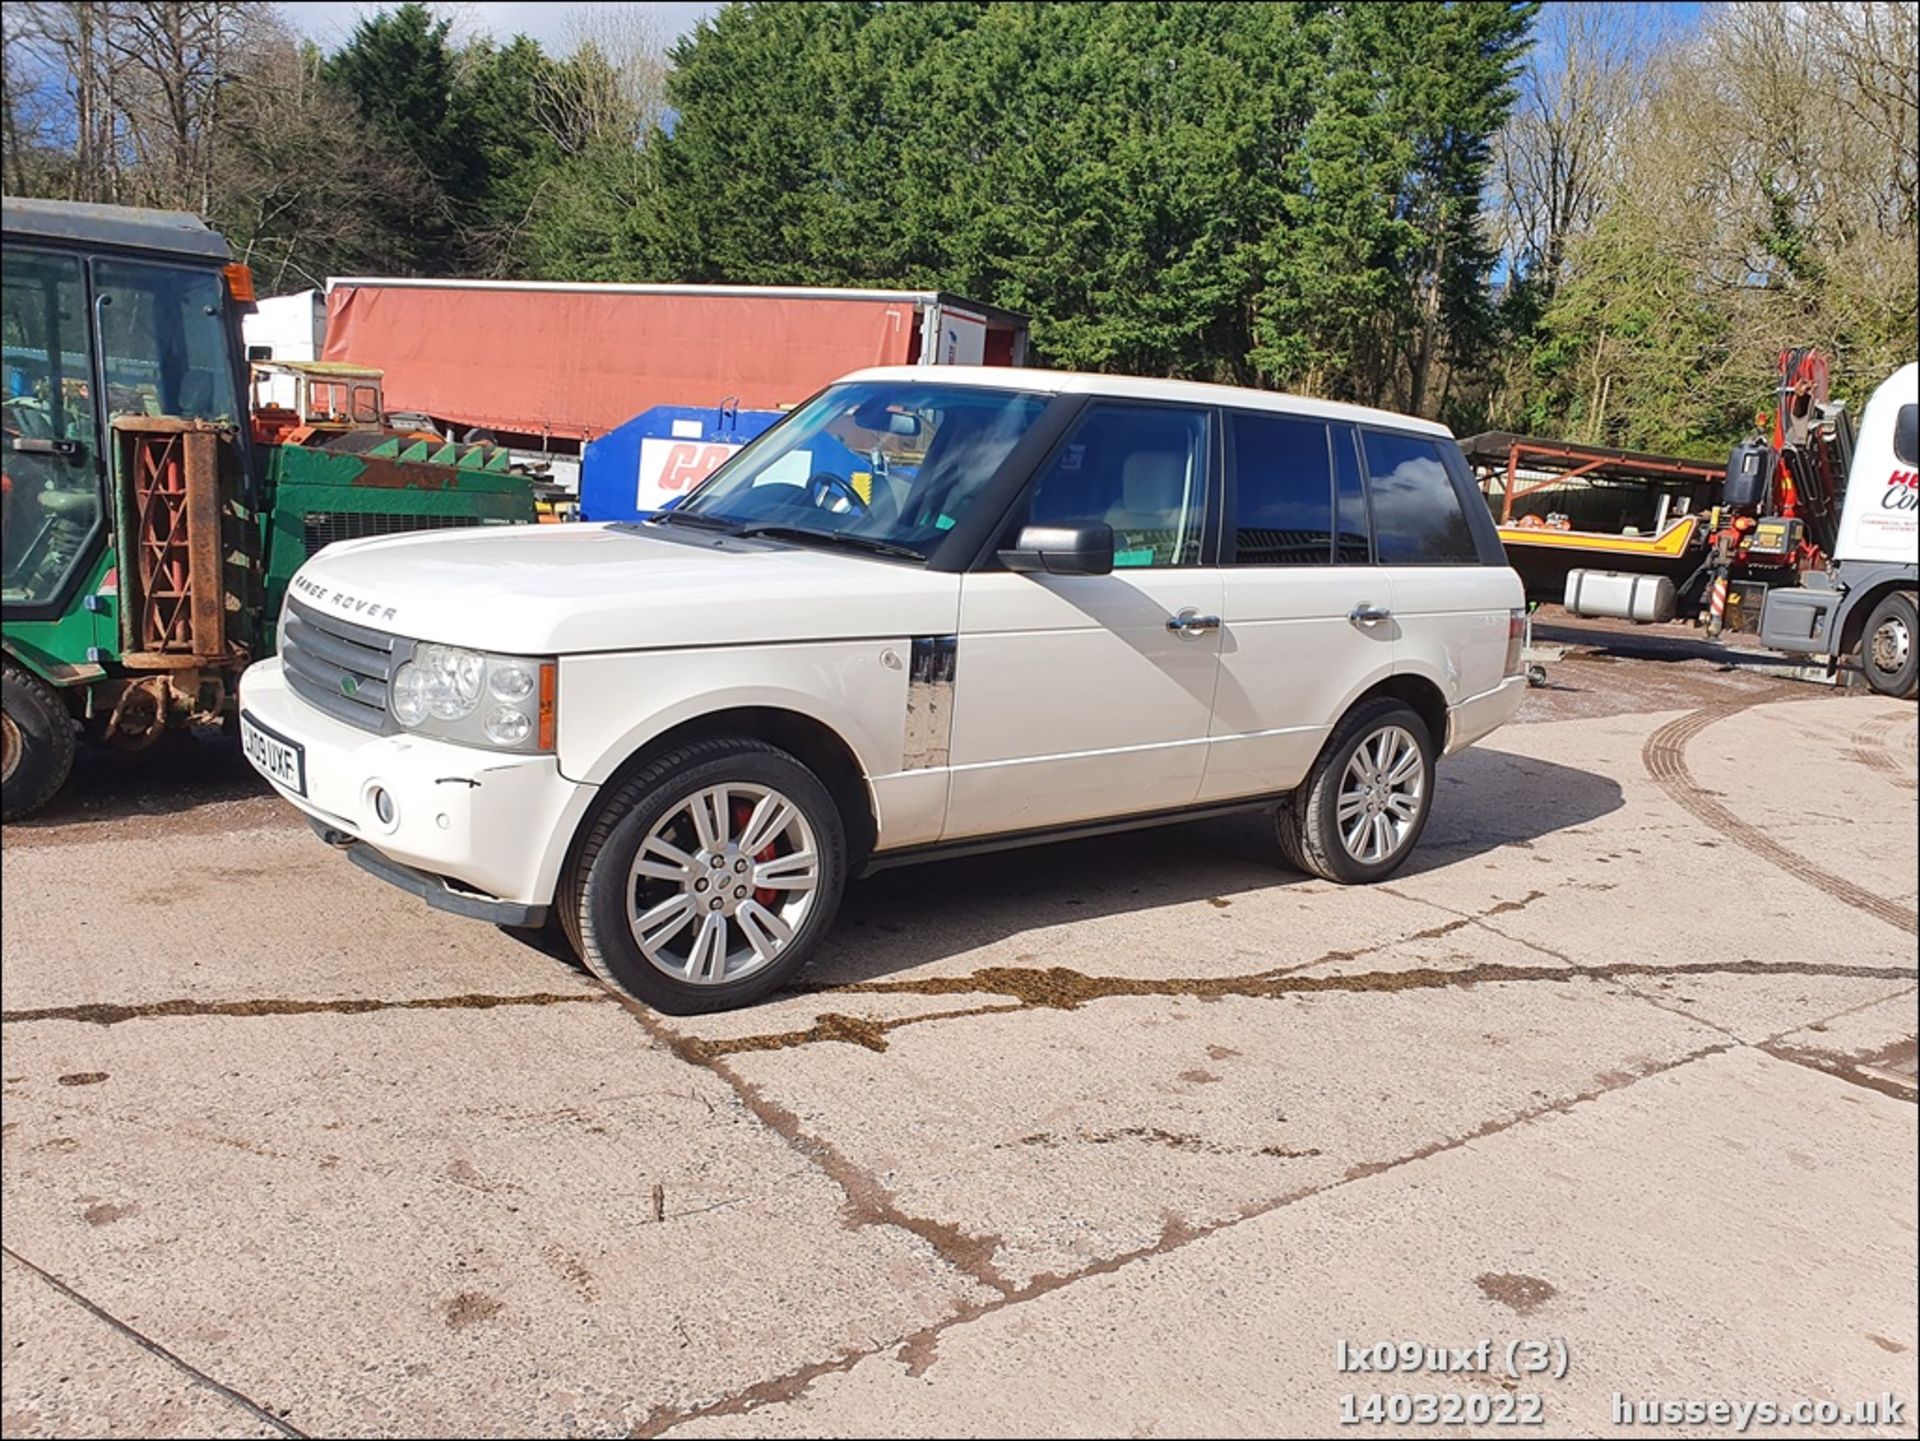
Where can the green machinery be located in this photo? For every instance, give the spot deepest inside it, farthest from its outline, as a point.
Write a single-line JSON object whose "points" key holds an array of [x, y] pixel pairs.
{"points": [[150, 526]]}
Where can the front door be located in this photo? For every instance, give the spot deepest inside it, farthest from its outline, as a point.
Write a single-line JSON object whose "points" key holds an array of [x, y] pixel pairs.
{"points": [[49, 442], [1074, 698]]}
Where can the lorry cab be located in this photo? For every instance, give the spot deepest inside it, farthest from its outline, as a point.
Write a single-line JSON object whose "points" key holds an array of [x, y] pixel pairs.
{"points": [[1866, 599]]}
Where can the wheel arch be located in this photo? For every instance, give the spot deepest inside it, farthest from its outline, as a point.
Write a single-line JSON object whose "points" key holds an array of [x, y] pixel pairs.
{"points": [[59, 675], [1426, 698], [1859, 605], [807, 738]]}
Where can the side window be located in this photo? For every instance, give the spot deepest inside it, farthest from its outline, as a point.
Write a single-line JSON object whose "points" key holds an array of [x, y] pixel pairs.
{"points": [[1906, 434], [1417, 519], [1356, 532], [51, 499], [1283, 491], [163, 341], [1141, 469]]}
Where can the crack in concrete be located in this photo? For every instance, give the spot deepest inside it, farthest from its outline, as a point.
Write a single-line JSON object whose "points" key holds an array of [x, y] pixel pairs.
{"points": [[1822, 1022], [152, 1347], [1058, 988], [1854, 1069], [868, 1201], [113, 1015], [919, 1349]]}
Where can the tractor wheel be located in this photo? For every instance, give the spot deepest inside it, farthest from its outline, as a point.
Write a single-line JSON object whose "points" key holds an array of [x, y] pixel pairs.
{"points": [[36, 743]]}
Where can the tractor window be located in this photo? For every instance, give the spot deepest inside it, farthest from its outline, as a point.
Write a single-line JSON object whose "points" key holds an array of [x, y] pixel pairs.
{"points": [[51, 494], [163, 338]]}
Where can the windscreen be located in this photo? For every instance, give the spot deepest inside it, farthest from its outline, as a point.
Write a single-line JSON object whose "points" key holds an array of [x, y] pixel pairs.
{"points": [[881, 461]]}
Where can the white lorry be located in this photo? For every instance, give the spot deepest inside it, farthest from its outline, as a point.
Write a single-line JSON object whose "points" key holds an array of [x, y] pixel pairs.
{"points": [[925, 613], [1866, 597]]}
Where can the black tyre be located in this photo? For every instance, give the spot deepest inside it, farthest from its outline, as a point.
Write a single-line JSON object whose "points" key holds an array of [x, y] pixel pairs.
{"points": [[1359, 813], [36, 743], [1888, 653], [707, 878]]}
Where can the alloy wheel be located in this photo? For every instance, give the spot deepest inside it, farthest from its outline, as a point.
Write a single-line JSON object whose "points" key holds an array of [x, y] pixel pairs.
{"points": [[722, 883], [1382, 792]]}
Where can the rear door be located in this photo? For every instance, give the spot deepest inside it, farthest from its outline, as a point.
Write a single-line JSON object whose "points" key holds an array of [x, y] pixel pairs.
{"points": [[1073, 698], [1300, 586], [1453, 594]]}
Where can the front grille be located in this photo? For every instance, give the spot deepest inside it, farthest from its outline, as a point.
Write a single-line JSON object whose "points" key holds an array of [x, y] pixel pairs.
{"points": [[324, 527], [341, 668]]}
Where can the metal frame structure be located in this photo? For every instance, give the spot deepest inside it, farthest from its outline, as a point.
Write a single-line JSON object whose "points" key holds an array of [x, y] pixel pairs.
{"points": [[1571, 461]]}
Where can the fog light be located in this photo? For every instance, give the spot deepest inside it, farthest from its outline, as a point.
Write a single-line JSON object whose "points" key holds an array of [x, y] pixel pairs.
{"points": [[383, 808]]}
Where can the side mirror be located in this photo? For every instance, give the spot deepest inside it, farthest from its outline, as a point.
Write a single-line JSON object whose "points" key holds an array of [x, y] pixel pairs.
{"points": [[1061, 550]]}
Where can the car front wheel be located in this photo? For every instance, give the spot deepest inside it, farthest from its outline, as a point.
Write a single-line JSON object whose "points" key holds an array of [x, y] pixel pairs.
{"points": [[1360, 811], [707, 878]]}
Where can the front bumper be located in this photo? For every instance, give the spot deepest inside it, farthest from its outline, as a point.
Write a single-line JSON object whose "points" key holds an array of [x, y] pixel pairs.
{"points": [[477, 832], [434, 890]]}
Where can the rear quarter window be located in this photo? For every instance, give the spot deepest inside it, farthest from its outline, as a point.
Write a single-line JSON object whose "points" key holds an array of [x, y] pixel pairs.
{"points": [[1417, 515]]}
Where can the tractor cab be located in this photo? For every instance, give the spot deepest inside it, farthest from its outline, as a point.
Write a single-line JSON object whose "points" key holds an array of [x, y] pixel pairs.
{"points": [[309, 402], [151, 525]]}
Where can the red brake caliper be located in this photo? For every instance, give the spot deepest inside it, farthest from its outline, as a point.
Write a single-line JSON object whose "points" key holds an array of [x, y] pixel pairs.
{"points": [[742, 813]]}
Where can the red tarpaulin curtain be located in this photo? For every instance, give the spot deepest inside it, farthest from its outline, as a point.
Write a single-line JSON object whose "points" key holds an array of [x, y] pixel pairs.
{"points": [[577, 363]]}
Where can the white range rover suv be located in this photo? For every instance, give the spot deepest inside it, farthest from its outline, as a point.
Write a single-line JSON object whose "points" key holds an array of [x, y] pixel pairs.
{"points": [[928, 612]]}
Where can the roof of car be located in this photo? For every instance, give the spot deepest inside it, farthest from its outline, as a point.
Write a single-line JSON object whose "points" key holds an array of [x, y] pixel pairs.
{"points": [[1130, 387], [171, 232]]}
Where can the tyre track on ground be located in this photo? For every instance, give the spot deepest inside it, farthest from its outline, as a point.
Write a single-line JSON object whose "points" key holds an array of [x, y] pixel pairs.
{"points": [[1872, 745], [1664, 756]]}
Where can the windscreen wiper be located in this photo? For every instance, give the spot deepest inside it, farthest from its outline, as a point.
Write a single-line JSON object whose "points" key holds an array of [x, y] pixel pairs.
{"points": [[832, 537], [691, 517]]}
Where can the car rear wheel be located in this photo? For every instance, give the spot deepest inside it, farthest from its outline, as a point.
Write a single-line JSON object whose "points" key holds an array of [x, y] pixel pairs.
{"points": [[36, 743], [1359, 813], [1887, 651], [707, 878]]}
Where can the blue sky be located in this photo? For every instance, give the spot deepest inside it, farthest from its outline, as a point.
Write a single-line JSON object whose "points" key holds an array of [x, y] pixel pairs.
{"points": [[329, 22]]}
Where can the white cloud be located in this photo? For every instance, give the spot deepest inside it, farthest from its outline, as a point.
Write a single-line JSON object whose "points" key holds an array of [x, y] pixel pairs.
{"points": [[330, 22]]}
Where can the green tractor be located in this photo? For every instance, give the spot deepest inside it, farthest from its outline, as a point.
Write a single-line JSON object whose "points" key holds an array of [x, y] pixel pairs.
{"points": [[150, 524]]}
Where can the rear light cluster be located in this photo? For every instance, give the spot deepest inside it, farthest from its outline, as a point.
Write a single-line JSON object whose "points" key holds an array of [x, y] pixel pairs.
{"points": [[1516, 641]]}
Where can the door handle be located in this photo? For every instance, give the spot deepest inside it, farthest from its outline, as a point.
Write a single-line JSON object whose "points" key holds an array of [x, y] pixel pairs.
{"points": [[37, 445], [1191, 622], [1364, 615]]}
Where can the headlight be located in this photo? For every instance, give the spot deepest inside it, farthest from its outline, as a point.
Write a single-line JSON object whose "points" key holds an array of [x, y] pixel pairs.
{"points": [[468, 696]]}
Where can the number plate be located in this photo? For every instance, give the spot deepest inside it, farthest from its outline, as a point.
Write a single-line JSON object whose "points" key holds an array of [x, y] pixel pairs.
{"points": [[280, 760]]}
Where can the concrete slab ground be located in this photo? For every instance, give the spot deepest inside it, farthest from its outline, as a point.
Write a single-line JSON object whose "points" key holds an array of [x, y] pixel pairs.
{"points": [[1124, 1137]]}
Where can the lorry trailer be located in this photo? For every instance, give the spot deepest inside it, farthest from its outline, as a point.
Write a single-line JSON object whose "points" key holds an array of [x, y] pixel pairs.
{"points": [[546, 367]]}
